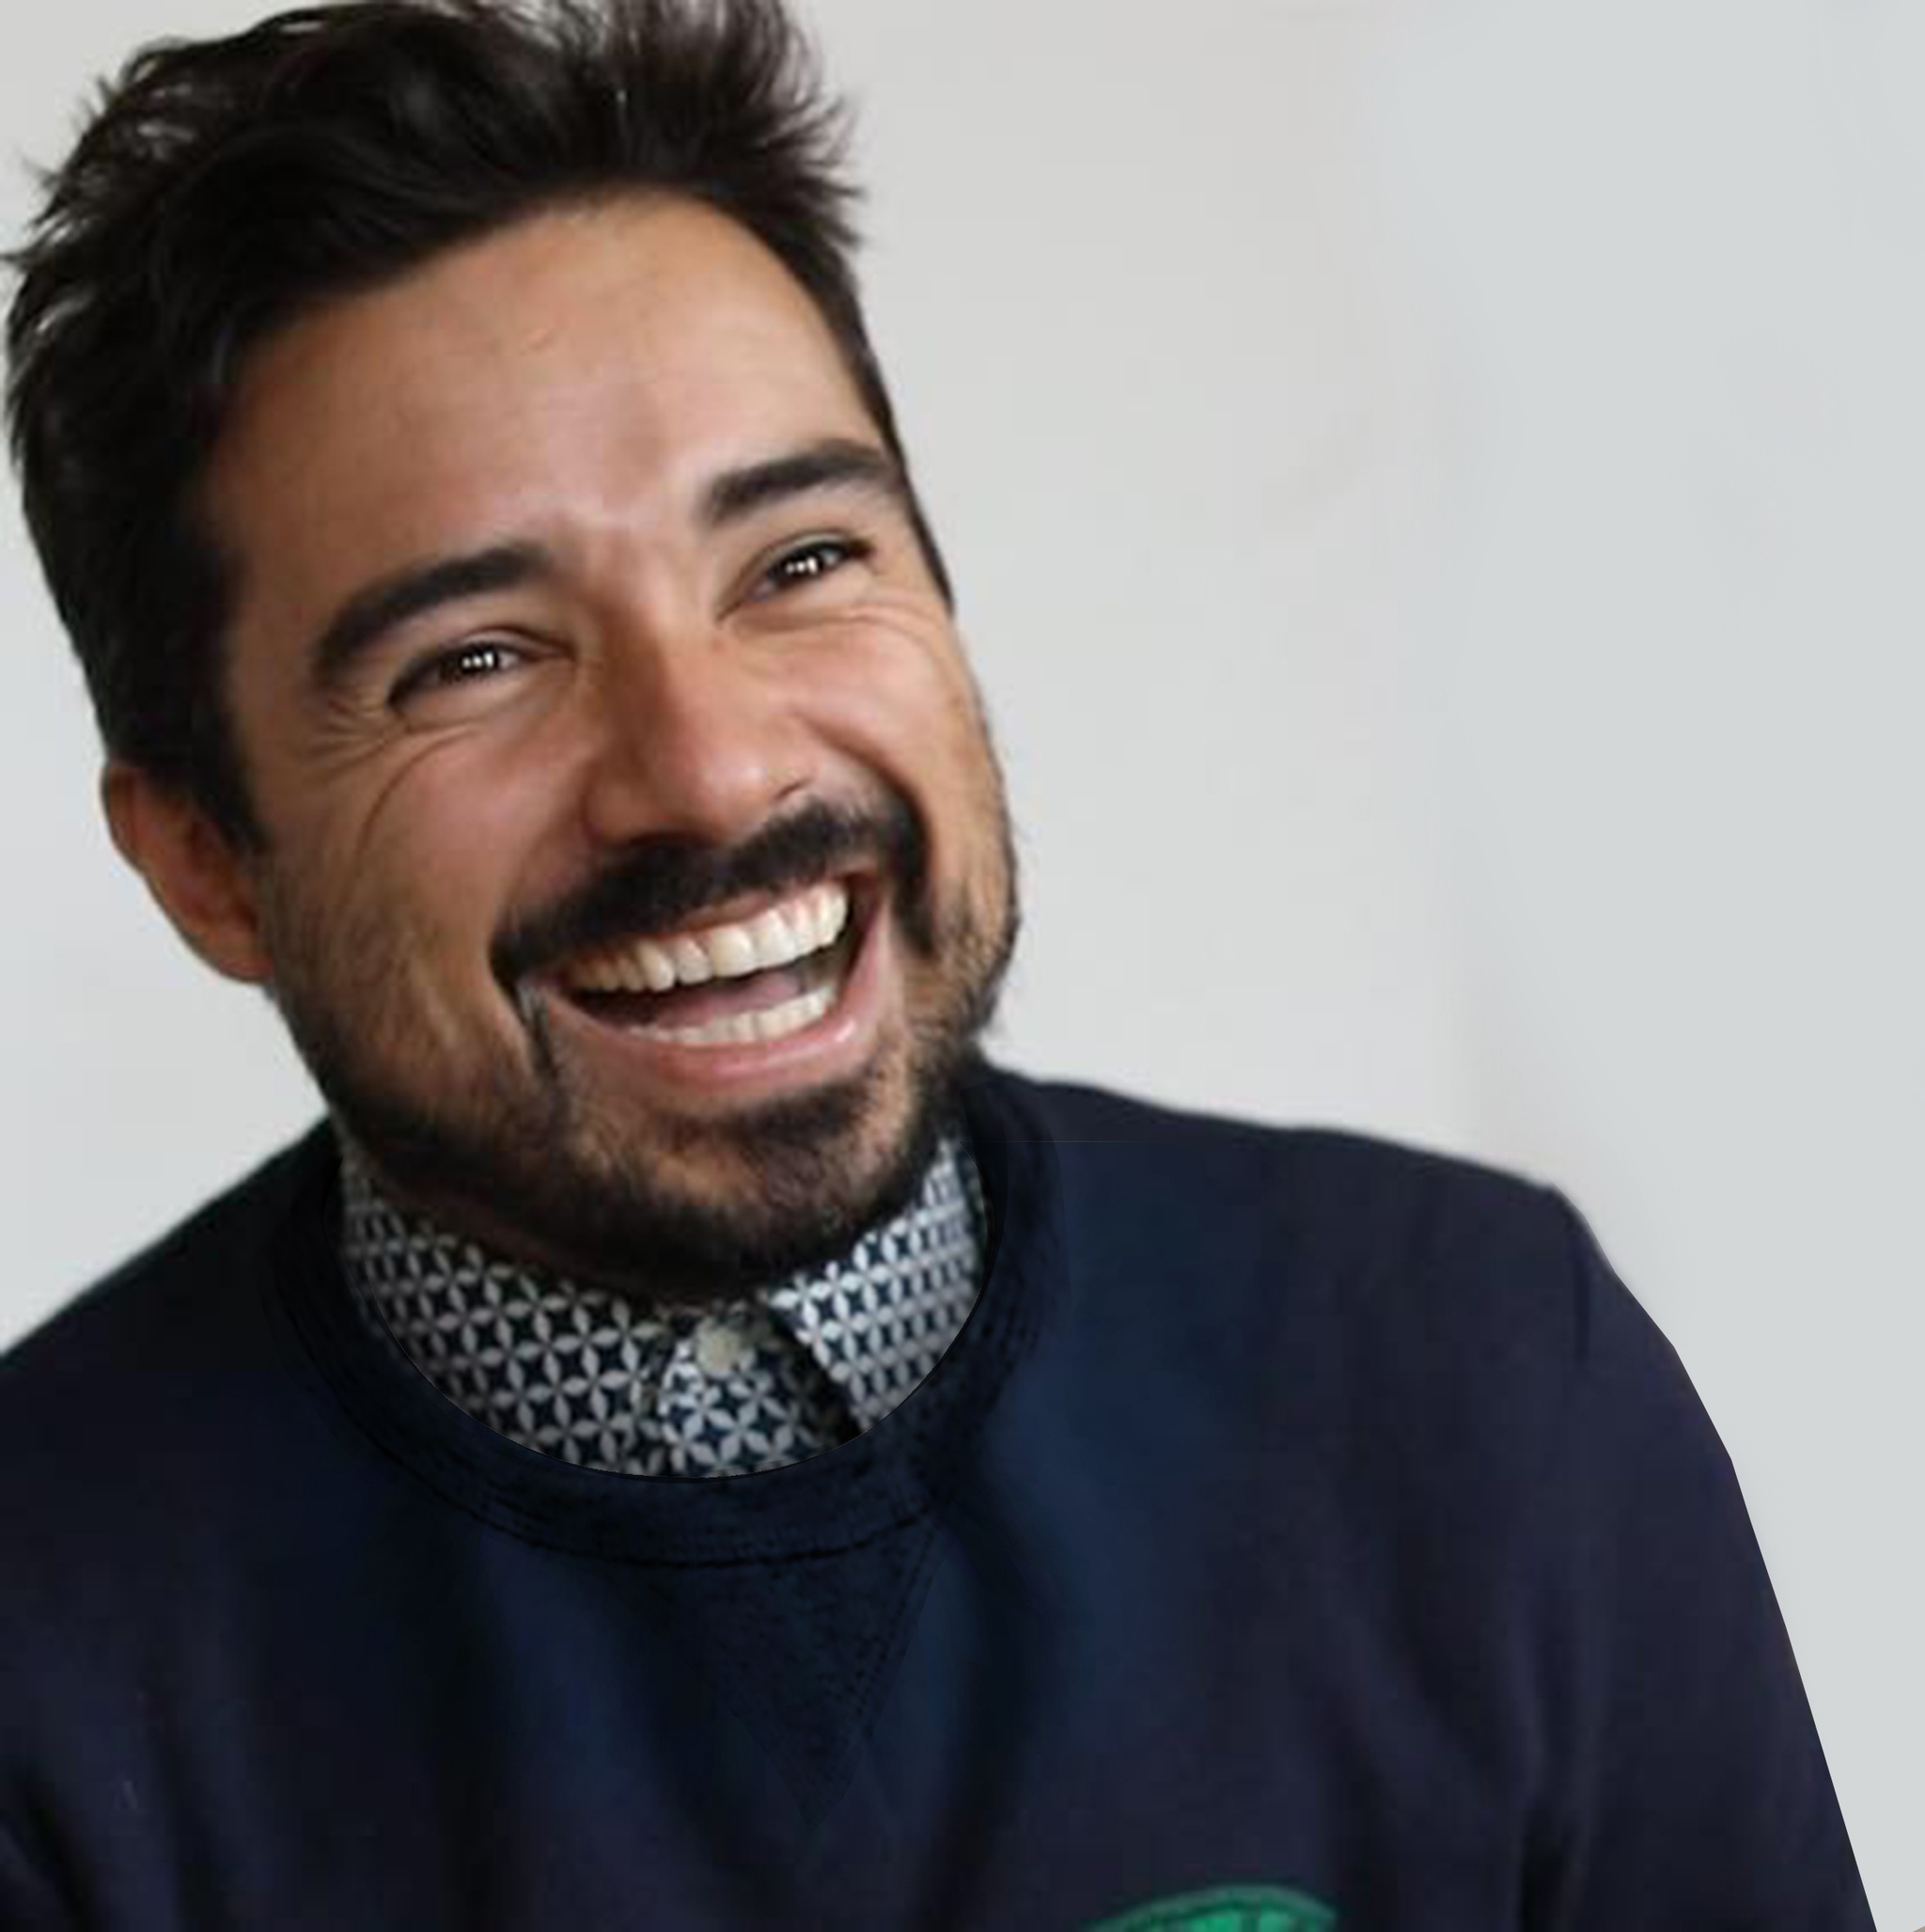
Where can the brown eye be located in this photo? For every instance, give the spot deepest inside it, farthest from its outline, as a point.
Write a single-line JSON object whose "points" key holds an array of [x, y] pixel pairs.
{"points": [[463, 683], [808, 563], [466, 663]]}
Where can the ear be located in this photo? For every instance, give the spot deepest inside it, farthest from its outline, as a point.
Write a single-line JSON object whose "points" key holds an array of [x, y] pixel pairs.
{"points": [[202, 880]]}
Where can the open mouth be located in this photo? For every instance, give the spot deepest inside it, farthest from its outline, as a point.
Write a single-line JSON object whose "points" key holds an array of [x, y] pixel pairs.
{"points": [[736, 984]]}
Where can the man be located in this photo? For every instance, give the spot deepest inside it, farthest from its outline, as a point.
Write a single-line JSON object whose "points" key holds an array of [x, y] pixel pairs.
{"points": [[689, 1443]]}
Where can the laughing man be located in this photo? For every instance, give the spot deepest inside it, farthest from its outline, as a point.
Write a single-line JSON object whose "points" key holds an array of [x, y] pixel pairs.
{"points": [[688, 1443]]}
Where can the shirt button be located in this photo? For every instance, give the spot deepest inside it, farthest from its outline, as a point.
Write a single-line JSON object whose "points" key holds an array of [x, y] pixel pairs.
{"points": [[720, 1350]]}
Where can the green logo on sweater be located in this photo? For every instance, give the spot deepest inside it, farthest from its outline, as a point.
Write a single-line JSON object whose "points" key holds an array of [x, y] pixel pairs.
{"points": [[1235, 1909]]}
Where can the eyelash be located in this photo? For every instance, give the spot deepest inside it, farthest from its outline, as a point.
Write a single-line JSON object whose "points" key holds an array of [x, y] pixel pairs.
{"points": [[827, 555], [794, 568], [450, 668]]}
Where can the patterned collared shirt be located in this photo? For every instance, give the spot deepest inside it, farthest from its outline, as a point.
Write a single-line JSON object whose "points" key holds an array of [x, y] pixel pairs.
{"points": [[610, 1382]]}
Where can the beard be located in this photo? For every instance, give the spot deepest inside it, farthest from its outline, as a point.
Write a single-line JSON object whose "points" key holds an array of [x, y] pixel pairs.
{"points": [[521, 1155]]}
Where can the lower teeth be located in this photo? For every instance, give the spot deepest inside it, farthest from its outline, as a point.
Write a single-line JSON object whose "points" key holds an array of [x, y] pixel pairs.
{"points": [[747, 1028]]}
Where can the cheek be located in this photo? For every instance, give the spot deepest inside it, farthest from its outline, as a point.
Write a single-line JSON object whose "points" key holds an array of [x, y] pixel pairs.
{"points": [[908, 711], [905, 701], [420, 866]]}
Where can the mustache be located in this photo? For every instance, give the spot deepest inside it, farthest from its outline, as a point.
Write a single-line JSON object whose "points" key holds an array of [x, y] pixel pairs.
{"points": [[660, 883]]}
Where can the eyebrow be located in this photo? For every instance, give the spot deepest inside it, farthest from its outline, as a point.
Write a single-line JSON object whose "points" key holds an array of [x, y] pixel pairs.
{"points": [[412, 591], [415, 590], [836, 463]]}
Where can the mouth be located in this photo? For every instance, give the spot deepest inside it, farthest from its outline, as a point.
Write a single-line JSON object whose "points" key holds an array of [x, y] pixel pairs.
{"points": [[774, 972]]}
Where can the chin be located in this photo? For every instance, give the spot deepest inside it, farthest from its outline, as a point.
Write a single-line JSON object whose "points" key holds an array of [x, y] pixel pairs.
{"points": [[693, 1209]]}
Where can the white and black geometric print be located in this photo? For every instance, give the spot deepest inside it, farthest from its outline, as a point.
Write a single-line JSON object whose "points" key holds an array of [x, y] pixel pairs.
{"points": [[608, 1382]]}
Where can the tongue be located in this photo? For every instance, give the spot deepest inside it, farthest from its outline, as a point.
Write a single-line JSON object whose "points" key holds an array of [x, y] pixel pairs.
{"points": [[694, 1006]]}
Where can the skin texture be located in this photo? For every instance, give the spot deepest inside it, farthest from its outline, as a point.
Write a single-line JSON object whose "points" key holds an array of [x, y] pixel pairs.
{"points": [[676, 715]]}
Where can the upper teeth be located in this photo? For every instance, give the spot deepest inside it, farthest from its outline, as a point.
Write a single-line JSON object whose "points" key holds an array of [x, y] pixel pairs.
{"points": [[790, 931]]}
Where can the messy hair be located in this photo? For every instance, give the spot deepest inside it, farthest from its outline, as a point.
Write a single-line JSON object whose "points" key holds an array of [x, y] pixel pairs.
{"points": [[220, 189]]}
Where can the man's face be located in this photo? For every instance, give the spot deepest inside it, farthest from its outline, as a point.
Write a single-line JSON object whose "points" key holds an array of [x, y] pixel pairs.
{"points": [[582, 644]]}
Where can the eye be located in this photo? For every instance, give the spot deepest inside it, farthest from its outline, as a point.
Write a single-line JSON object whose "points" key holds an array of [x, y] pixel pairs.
{"points": [[806, 563], [475, 660]]}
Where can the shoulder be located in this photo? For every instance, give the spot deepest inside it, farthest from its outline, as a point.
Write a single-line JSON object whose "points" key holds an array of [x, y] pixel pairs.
{"points": [[1391, 1218], [145, 1427], [187, 1304], [1353, 1277], [1421, 1326]]}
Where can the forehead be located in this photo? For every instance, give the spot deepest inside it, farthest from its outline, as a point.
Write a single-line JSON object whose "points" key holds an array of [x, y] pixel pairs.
{"points": [[601, 360]]}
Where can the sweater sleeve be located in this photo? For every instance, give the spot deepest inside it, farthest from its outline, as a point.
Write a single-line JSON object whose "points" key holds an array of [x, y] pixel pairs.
{"points": [[1688, 1790]]}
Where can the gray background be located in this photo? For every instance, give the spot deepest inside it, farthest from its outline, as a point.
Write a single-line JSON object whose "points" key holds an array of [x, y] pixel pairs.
{"points": [[1435, 491]]}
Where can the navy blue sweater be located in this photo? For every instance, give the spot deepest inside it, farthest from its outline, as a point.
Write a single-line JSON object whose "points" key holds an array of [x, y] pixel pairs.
{"points": [[1303, 1532]]}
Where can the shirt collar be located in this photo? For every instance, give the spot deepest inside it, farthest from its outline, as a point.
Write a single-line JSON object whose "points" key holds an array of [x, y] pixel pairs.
{"points": [[610, 1380]]}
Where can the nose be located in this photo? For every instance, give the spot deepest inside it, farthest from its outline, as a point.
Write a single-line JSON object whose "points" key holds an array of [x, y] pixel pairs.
{"points": [[692, 736]]}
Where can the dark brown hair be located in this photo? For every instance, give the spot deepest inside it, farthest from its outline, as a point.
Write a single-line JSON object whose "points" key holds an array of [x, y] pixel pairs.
{"points": [[222, 187]]}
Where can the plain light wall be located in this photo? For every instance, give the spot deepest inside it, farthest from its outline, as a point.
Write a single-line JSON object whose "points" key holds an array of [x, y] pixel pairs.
{"points": [[1435, 492]]}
